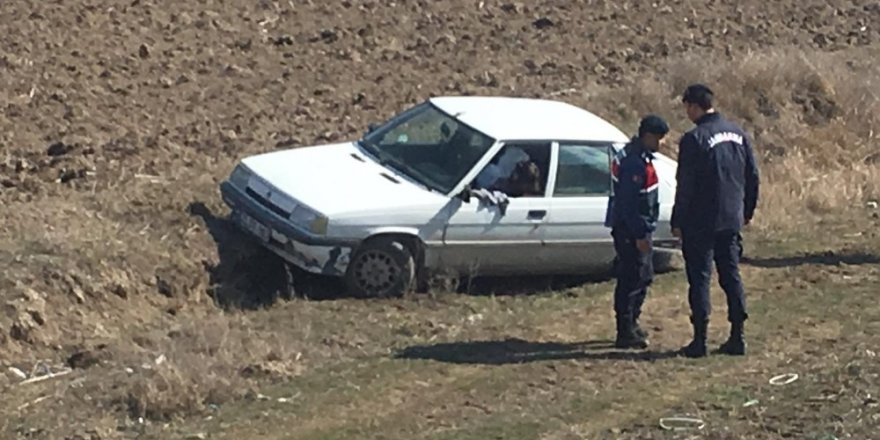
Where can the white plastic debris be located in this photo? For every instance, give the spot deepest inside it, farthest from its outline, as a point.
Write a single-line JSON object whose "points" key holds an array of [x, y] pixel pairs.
{"points": [[475, 318], [21, 374], [47, 376], [681, 423], [784, 379]]}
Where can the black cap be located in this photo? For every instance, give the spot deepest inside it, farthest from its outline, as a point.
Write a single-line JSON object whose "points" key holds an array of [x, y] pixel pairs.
{"points": [[699, 94], [653, 124]]}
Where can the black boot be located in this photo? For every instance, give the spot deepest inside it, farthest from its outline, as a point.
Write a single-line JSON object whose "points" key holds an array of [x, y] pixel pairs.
{"points": [[697, 347], [736, 343], [626, 337]]}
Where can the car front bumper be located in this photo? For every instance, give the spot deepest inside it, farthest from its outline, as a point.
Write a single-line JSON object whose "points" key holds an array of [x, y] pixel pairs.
{"points": [[319, 255]]}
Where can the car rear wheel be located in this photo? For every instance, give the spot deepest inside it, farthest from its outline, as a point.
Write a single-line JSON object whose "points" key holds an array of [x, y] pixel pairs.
{"points": [[381, 268], [667, 260]]}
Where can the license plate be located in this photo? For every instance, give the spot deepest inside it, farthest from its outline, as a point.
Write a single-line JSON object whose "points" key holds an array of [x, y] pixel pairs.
{"points": [[254, 227]]}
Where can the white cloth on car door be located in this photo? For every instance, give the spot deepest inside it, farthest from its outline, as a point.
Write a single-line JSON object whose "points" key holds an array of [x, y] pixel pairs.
{"points": [[496, 198]]}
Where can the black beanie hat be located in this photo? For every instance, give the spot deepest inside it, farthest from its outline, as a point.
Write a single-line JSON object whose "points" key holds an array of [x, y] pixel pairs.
{"points": [[653, 124]]}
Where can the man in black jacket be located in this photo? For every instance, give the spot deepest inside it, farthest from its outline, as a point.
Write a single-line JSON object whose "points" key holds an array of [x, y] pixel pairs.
{"points": [[716, 197], [632, 216]]}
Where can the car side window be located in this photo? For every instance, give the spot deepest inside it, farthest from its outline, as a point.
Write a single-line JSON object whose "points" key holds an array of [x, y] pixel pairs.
{"points": [[518, 170], [583, 171]]}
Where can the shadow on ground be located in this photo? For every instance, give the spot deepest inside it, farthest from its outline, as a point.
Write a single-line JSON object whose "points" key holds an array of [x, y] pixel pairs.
{"points": [[666, 262], [828, 258], [249, 276], [517, 351], [246, 276], [527, 285]]}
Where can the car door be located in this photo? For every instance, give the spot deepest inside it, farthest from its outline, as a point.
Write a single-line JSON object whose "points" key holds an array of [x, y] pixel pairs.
{"points": [[575, 236], [483, 238]]}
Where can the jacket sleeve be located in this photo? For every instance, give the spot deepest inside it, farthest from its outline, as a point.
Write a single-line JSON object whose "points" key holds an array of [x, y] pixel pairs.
{"points": [[685, 179], [631, 180], [752, 180]]}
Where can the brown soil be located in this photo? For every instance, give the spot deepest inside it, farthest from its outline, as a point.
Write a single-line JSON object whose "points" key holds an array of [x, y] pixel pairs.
{"points": [[120, 118]]}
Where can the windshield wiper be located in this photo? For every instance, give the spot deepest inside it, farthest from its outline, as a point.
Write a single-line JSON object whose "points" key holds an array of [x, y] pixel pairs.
{"points": [[408, 171], [392, 162], [370, 147]]}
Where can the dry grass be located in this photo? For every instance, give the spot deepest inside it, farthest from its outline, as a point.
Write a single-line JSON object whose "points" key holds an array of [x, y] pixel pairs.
{"points": [[207, 363], [814, 117]]}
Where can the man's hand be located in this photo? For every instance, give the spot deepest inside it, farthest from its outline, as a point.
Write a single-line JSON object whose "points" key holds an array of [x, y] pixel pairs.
{"points": [[676, 232], [644, 245]]}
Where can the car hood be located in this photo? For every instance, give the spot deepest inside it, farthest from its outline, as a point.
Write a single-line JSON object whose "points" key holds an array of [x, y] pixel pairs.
{"points": [[339, 179]]}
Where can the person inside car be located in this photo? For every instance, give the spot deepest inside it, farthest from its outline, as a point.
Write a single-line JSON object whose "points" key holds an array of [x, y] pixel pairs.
{"points": [[513, 173]]}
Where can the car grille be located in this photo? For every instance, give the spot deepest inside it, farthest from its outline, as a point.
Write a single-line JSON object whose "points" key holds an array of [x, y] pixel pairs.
{"points": [[265, 202]]}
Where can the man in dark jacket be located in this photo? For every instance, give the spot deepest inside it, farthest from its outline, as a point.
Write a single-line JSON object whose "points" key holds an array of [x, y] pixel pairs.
{"points": [[716, 197], [632, 216]]}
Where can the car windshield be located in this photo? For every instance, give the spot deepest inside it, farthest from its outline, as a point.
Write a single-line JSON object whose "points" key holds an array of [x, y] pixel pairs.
{"points": [[428, 146]]}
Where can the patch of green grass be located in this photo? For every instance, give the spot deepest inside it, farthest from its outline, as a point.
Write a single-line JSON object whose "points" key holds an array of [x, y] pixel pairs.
{"points": [[729, 395], [502, 427]]}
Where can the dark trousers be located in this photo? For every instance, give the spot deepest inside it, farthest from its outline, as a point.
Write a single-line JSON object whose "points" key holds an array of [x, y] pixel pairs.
{"points": [[634, 271], [699, 250]]}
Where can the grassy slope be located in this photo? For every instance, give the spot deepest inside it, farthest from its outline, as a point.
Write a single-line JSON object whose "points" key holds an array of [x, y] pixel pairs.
{"points": [[539, 366]]}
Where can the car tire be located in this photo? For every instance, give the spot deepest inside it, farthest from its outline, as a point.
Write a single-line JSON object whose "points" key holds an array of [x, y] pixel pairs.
{"points": [[381, 268], [297, 283], [667, 260], [288, 288]]}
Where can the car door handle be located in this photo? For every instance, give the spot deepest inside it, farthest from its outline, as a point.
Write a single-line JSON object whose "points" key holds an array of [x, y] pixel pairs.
{"points": [[537, 214]]}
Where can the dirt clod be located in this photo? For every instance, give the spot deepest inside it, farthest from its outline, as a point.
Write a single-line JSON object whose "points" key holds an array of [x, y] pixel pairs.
{"points": [[87, 357], [164, 287], [58, 149], [543, 23]]}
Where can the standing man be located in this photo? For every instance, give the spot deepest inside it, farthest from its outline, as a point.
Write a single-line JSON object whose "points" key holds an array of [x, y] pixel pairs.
{"points": [[716, 196], [632, 216]]}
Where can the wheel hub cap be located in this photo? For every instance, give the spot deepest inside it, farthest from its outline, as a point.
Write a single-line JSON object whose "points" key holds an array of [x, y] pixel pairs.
{"points": [[376, 272]]}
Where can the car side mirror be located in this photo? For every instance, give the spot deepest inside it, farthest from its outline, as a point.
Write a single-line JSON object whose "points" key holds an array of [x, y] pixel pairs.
{"points": [[372, 127], [465, 195]]}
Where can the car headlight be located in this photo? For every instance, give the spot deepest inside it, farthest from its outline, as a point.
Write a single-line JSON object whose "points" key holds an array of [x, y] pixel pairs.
{"points": [[240, 176], [311, 220]]}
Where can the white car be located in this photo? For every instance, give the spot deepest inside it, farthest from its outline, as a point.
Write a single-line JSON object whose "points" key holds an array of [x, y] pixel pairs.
{"points": [[398, 206]]}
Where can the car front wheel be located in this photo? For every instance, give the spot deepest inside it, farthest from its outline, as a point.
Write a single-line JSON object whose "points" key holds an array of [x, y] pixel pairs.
{"points": [[381, 268]]}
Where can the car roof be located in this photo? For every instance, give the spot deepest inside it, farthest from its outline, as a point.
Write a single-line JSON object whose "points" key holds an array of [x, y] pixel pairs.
{"points": [[528, 119]]}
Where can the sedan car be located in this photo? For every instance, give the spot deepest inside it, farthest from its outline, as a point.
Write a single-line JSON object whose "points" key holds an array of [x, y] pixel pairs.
{"points": [[404, 202]]}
